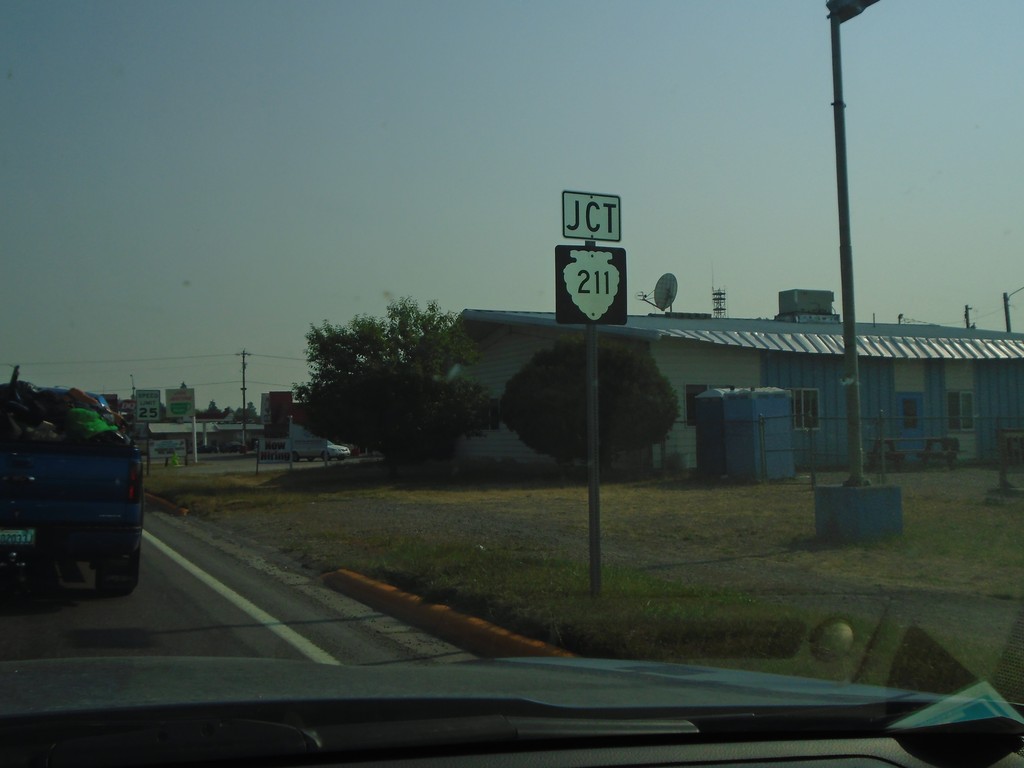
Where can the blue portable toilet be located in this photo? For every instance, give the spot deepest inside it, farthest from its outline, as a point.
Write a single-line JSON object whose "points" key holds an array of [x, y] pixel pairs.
{"points": [[746, 434], [711, 433]]}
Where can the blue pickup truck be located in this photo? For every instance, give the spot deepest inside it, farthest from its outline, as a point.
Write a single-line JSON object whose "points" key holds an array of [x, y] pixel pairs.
{"points": [[66, 503], [67, 500]]}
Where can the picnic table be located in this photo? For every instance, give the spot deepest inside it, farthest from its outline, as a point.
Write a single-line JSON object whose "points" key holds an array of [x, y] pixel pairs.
{"points": [[898, 449]]}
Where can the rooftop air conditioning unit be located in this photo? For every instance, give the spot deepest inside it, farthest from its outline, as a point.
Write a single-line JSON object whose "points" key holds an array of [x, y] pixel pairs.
{"points": [[803, 302]]}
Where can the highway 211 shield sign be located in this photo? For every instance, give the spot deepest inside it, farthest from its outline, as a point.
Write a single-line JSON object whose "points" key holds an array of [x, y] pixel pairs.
{"points": [[590, 285]]}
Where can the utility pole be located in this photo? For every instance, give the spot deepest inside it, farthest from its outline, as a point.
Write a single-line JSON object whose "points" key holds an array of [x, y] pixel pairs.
{"points": [[967, 316], [245, 406], [840, 11], [1006, 307]]}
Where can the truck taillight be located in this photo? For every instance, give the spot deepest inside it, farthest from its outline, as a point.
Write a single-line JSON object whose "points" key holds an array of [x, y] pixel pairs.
{"points": [[135, 483]]}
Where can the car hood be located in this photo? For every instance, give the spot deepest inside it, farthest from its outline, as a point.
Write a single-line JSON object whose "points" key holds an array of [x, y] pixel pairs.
{"points": [[70, 686], [156, 711]]}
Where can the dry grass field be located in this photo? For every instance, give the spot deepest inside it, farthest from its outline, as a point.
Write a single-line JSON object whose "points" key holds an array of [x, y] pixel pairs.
{"points": [[517, 549]]}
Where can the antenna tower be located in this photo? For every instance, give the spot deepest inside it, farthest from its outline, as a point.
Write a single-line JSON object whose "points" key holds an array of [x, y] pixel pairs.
{"points": [[718, 302]]}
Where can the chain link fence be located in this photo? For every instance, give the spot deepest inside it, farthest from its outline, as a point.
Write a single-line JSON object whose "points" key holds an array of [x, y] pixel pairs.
{"points": [[895, 443]]}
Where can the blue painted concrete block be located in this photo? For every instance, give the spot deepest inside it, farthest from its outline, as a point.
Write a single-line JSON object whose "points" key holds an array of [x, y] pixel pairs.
{"points": [[843, 514]]}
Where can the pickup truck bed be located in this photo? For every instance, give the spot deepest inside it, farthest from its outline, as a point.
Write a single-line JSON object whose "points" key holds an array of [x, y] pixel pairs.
{"points": [[71, 502]]}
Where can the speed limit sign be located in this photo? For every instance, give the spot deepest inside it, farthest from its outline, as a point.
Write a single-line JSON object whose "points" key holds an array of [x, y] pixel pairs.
{"points": [[147, 405]]}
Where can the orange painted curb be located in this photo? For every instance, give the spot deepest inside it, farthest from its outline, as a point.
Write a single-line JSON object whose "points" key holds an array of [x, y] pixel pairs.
{"points": [[474, 635], [165, 505]]}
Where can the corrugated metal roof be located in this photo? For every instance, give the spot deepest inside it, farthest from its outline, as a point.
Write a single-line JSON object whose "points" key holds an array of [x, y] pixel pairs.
{"points": [[909, 347], [914, 342]]}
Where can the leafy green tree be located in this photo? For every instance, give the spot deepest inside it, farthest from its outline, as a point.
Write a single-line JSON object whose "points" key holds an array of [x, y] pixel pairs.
{"points": [[250, 415], [393, 384], [545, 402]]}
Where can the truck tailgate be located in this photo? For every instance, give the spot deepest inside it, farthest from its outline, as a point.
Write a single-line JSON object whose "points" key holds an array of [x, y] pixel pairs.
{"points": [[69, 484]]}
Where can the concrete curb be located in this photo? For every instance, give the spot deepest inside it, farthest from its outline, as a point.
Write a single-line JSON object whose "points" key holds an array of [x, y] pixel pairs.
{"points": [[468, 632]]}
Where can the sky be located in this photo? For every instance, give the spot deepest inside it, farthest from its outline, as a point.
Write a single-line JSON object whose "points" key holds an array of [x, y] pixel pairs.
{"points": [[184, 181]]}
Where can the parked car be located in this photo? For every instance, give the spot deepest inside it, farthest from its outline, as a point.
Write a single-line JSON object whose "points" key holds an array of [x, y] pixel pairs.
{"points": [[337, 452]]}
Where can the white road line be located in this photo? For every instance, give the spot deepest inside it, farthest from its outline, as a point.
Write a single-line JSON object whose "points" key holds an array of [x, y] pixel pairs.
{"points": [[307, 648]]}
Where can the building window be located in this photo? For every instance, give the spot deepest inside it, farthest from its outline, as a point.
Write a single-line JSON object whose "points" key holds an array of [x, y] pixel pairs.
{"points": [[805, 408], [908, 407], [960, 409]]}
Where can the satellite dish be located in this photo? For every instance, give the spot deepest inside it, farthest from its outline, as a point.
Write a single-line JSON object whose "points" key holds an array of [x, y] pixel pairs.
{"points": [[665, 291]]}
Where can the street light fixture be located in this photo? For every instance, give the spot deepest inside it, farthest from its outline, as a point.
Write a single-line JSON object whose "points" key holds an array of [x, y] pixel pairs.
{"points": [[844, 10], [840, 11]]}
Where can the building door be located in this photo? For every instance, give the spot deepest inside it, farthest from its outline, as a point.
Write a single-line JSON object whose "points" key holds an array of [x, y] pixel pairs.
{"points": [[910, 421]]}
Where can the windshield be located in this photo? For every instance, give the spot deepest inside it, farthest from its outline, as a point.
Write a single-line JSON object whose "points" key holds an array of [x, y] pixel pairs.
{"points": [[391, 334]]}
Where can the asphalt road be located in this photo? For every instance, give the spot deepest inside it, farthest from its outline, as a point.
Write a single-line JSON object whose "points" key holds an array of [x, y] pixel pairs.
{"points": [[204, 593]]}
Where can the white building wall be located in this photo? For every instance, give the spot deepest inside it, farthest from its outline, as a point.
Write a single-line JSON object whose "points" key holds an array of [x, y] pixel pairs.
{"points": [[959, 375], [683, 363], [705, 365], [908, 375], [501, 356]]}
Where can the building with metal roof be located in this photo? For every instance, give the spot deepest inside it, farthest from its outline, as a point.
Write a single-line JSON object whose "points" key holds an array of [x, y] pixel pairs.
{"points": [[917, 381]]}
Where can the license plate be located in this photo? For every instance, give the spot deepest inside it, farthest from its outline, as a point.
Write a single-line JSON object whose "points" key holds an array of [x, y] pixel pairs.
{"points": [[17, 537]]}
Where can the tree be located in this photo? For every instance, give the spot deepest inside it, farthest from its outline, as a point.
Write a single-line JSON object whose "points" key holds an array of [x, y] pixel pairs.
{"points": [[249, 414], [211, 412], [545, 402], [393, 384]]}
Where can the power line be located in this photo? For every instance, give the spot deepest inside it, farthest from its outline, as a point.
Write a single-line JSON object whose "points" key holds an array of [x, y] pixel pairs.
{"points": [[279, 357], [129, 360]]}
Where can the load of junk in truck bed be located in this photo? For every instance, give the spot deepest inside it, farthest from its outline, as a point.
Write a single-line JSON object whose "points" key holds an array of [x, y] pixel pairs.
{"points": [[57, 414]]}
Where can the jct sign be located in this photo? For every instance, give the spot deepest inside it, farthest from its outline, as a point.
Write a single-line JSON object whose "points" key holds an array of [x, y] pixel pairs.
{"points": [[591, 217], [590, 285]]}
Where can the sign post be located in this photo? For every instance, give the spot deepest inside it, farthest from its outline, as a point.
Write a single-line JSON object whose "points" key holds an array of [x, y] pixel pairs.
{"points": [[181, 404], [147, 409], [593, 461], [590, 288]]}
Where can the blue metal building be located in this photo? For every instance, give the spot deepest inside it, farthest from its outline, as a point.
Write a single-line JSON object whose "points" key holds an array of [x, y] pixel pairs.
{"points": [[917, 381]]}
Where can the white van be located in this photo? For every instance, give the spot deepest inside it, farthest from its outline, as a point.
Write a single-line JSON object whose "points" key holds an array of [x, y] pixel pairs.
{"points": [[306, 445]]}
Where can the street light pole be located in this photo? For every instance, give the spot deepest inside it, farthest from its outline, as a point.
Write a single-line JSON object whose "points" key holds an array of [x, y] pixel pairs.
{"points": [[1006, 307], [840, 11]]}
